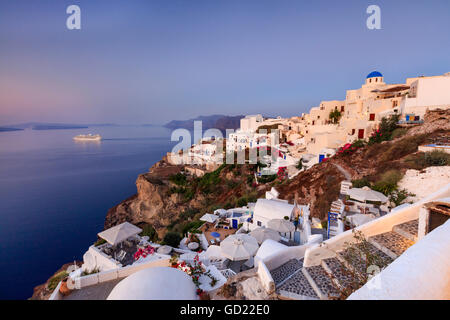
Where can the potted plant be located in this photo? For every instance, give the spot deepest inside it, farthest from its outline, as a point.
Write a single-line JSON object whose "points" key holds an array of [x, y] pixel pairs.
{"points": [[63, 289]]}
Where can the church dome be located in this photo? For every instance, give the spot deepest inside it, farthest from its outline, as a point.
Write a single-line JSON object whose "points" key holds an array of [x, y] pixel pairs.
{"points": [[374, 74], [159, 283]]}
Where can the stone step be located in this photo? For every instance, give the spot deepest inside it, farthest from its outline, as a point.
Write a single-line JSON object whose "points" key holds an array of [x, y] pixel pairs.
{"points": [[377, 256], [321, 282], [297, 287], [408, 229], [343, 277], [391, 243], [283, 272], [354, 260]]}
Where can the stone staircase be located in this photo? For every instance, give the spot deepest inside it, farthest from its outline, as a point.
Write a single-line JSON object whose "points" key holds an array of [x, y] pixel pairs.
{"points": [[346, 271]]}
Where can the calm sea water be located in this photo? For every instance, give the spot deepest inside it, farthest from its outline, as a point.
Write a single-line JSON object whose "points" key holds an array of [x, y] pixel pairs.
{"points": [[54, 195]]}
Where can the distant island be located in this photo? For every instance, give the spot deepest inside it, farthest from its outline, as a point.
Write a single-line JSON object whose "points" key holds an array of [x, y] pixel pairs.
{"points": [[53, 126], [218, 121], [5, 129], [57, 127]]}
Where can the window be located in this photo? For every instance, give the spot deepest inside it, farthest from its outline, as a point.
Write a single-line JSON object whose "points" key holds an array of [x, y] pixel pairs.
{"points": [[342, 108], [259, 223], [353, 131], [372, 117]]}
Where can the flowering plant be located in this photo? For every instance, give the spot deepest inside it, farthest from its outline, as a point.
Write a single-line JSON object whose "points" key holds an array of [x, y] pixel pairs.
{"points": [[195, 270], [149, 250]]}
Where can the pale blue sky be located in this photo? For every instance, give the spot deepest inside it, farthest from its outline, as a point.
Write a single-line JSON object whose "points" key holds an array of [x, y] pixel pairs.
{"points": [[153, 61]]}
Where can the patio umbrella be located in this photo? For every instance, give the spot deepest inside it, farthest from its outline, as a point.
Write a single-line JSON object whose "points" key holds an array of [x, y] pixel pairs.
{"points": [[193, 245], [366, 194], [211, 218], [164, 249], [239, 247], [119, 233], [262, 234], [281, 225]]}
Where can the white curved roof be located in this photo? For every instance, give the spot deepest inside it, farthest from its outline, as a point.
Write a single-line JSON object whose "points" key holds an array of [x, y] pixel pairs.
{"points": [[268, 248], [159, 283], [273, 209]]}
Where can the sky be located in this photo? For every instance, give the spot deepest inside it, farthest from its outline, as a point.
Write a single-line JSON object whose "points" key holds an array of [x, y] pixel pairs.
{"points": [[152, 61]]}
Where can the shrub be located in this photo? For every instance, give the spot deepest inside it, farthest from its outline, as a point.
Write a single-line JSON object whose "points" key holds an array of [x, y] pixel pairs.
{"points": [[192, 227], [399, 196], [359, 183], [267, 178], [242, 202], [402, 147], [437, 158], [178, 179], [299, 164], [99, 242], [172, 239], [399, 132], [150, 232], [388, 182], [53, 282], [384, 133], [228, 205], [334, 116]]}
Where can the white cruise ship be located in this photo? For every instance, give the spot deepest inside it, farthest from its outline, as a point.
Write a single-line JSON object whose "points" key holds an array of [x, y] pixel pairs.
{"points": [[88, 137]]}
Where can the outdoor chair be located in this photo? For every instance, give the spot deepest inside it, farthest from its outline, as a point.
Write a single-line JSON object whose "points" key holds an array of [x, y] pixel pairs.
{"points": [[121, 255]]}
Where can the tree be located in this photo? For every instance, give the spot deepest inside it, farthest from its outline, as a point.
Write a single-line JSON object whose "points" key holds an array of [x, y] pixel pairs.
{"points": [[334, 116], [172, 239]]}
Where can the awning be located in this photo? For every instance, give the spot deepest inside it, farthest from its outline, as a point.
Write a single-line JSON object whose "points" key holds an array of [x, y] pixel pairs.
{"points": [[366, 194], [119, 233], [211, 218]]}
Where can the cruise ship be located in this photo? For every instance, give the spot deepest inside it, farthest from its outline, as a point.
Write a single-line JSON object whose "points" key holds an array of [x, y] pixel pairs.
{"points": [[88, 137]]}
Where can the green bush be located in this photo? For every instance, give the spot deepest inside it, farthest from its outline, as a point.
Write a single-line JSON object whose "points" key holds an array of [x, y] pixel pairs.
{"points": [[53, 282], [299, 165], [172, 239], [99, 242], [399, 196], [192, 227], [388, 182], [384, 133], [242, 202], [150, 232], [437, 158], [179, 179], [267, 178], [359, 183]]}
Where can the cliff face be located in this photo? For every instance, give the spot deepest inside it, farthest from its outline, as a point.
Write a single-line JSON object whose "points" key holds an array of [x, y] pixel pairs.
{"points": [[151, 203]]}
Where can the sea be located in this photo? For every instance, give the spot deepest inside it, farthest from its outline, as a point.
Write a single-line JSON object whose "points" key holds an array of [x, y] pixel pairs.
{"points": [[55, 193]]}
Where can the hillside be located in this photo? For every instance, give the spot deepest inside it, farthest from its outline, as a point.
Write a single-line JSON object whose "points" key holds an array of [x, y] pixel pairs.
{"points": [[168, 203]]}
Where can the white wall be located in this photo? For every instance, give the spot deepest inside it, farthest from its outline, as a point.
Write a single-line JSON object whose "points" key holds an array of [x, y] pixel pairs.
{"points": [[421, 272], [432, 92]]}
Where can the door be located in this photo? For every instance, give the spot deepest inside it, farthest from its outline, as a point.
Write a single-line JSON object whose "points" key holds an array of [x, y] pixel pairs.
{"points": [[235, 224], [321, 157], [361, 134]]}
